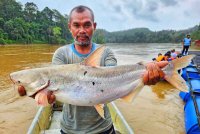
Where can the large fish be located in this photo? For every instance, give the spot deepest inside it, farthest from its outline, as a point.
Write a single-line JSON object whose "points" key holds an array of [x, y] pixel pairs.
{"points": [[88, 84]]}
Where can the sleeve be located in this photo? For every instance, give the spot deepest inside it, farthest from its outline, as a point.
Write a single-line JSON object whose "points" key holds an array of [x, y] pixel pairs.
{"points": [[110, 59], [58, 57]]}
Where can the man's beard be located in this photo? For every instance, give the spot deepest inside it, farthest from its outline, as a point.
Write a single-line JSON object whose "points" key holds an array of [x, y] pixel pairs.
{"points": [[82, 43]]}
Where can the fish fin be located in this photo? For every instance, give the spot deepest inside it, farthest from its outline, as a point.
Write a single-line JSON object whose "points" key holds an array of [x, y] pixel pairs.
{"points": [[52, 87], [43, 86], [182, 62], [177, 81], [171, 74], [94, 59], [132, 95], [161, 88], [100, 110]]}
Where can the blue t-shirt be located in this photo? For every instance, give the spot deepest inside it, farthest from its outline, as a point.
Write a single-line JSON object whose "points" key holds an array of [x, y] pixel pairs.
{"points": [[187, 41]]}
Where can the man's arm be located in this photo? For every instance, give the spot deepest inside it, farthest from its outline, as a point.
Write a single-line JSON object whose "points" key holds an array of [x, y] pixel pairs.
{"points": [[58, 57], [110, 59], [150, 77]]}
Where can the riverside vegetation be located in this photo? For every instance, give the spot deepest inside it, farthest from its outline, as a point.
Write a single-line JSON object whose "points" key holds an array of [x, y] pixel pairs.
{"points": [[25, 24]]}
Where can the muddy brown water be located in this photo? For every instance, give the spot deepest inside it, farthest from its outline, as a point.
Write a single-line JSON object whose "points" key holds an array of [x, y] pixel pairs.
{"points": [[153, 111]]}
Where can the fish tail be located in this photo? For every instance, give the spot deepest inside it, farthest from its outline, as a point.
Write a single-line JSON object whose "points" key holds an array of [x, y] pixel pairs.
{"points": [[171, 72]]}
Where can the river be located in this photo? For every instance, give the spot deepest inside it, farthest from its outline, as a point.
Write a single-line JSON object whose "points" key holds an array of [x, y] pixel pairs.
{"points": [[153, 111]]}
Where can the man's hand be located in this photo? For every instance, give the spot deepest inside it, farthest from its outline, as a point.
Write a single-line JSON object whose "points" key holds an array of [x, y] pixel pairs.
{"points": [[154, 72], [45, 97], [51, 97]]}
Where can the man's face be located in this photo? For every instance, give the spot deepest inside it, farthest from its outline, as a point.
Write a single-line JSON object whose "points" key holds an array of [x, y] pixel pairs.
{"points": [[188, 36], [82, 27]]}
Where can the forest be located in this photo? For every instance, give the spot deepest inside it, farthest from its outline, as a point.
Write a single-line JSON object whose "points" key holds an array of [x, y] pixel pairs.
{"points": [[25, 24]]}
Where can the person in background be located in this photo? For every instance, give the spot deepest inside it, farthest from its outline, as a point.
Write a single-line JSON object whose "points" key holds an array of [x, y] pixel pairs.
{"points": [[85, 119], [186, 44], [167, 56], [160, 57], [173, 53], [153, 59]]}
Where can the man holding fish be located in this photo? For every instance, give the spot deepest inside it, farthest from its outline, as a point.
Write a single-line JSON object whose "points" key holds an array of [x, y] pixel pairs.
{"points": [[77, 119], [84, 88]]}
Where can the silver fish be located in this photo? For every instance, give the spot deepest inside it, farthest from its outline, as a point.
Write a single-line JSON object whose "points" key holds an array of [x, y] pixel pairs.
{"points": [[88, 84]]}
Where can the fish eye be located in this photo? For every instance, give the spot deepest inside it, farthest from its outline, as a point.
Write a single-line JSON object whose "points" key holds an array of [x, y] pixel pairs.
{"points": [[18, 81]]}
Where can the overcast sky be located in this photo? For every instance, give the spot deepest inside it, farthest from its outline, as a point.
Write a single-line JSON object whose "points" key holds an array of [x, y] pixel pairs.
{"points": [[114, 15]]}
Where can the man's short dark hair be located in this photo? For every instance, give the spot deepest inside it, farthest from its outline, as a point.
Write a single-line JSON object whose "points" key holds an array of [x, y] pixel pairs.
{"points": [[80, 9]]}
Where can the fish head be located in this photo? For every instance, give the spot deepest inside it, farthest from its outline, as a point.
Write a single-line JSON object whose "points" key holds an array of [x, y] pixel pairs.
{"points": [[29, 82]]}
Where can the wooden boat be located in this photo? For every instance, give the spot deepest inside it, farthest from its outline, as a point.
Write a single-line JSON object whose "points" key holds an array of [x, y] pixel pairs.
{"points": [[47, 121]]}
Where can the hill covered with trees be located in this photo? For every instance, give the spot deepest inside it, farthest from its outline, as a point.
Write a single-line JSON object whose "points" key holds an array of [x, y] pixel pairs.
{"points": [[27, 25], [144, 35]]}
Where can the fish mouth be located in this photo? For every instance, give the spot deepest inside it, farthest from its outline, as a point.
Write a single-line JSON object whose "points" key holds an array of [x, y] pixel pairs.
{"points": [[20, 88], [13, 81]]}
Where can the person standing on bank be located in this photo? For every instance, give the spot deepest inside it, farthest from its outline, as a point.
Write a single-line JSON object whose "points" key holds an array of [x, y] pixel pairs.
{"points": [[186, 44], [85, 119]]}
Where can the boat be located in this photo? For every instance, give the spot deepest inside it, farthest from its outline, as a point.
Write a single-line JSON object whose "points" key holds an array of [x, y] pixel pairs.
{"points": [[47, 120], [191, 74]]}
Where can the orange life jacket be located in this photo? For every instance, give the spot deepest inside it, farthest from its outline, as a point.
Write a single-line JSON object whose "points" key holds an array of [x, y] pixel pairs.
{"points": [[159, 58]]}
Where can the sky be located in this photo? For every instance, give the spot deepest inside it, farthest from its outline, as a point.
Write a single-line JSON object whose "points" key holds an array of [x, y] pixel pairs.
{"points": [[115, 15]]}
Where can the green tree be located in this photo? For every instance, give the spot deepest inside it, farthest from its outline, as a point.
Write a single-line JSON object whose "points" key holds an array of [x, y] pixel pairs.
{"points": [[99, 37], [10, 9], [195, 35], [57, 36], [47, 15], [2, 23], [30, 11]]}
